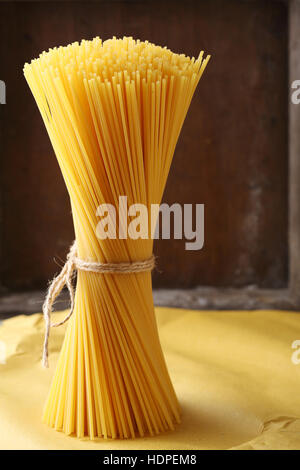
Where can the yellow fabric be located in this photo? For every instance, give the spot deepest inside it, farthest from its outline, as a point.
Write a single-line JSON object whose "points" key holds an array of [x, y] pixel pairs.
{"points": [[232, 371]]}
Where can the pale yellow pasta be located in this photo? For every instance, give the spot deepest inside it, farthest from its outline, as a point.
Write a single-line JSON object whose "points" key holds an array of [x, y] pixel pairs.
{"points": [[113, 112]]}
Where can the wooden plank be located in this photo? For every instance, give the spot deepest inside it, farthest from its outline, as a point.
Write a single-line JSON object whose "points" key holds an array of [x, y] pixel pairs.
{"points": [[199, 298], [232, 154], [294, 149]]}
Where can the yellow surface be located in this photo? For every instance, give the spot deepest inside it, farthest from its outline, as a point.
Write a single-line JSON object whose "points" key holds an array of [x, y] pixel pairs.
{"points": [[232, 371]]}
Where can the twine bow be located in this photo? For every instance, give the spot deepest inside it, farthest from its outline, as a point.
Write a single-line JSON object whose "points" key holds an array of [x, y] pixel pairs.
{"points": [[64, 278]]}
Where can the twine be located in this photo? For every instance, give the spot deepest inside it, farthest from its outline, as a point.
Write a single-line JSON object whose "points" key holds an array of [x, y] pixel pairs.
{"points": [[64, 278]]}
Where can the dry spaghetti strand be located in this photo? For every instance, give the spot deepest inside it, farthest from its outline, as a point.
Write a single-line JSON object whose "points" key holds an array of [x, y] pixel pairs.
{"points": [[113, 112]]}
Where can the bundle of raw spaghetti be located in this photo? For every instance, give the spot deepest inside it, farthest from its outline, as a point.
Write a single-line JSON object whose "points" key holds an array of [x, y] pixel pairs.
{"points": [[113, 111]]}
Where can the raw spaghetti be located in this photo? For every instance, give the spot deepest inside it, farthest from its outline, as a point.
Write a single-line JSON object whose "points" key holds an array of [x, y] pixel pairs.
{"points": [[113, 112]]}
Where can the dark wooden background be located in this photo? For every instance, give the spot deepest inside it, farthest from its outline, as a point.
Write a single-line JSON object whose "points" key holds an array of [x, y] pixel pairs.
{"points": [[231, 156]]}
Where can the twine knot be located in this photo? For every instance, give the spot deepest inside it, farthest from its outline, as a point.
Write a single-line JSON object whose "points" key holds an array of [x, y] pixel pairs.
{"points": [[64, 278]]}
